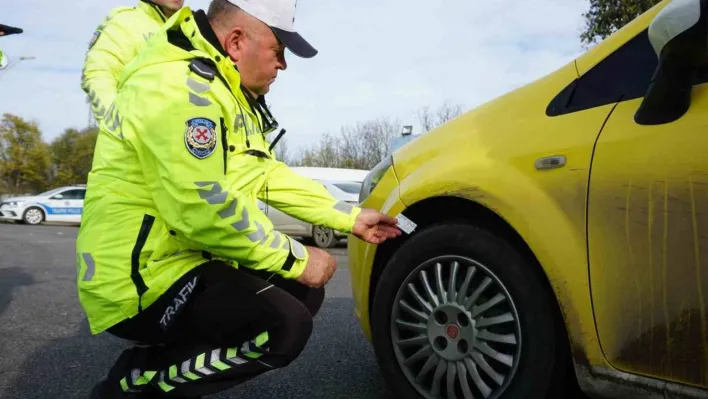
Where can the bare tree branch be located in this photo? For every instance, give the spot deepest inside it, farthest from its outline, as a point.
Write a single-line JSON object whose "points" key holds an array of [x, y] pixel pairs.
{"points": [[425, 118], [359, 146], [447, 111], [281, 151], [430, 119]]}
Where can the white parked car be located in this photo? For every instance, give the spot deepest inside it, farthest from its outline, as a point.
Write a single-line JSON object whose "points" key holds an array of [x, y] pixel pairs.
{"points": [[62, 204], [343, 184]]}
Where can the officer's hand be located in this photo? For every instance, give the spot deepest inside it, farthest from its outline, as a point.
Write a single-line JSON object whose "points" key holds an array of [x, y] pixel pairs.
{"points": [[375, 227], [319, 269]]}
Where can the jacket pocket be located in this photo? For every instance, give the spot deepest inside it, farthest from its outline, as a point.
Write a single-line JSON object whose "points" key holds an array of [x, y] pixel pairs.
{"points": [[145, 228]]}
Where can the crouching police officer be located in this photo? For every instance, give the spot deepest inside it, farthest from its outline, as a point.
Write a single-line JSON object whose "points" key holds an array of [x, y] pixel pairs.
{"points": [[115, 43], [173, 253]]}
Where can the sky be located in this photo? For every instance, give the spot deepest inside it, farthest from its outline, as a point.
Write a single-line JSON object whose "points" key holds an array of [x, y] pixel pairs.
{"points": [[377, 58]]}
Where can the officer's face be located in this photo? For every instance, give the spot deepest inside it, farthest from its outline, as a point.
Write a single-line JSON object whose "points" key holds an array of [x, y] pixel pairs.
{"points": [[258, 55], [170, 5]]}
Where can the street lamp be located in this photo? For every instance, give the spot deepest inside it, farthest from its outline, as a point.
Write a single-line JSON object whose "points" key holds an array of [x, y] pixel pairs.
{"points": [[17, 61], [407, 130]]}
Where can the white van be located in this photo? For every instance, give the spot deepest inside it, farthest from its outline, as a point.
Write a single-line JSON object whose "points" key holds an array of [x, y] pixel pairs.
{"points": [[343, 184]]}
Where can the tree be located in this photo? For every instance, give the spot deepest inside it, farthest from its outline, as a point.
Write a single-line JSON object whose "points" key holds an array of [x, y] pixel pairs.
{"points": [[281, 151], [323, 154], [72, 156], [365, 144], [430, 119], [607, 16], [24, 156], [358, 146]]}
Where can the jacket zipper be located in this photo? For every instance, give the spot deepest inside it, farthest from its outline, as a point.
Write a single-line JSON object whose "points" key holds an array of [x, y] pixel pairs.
{"points": [[140, 286], [224, 142]]}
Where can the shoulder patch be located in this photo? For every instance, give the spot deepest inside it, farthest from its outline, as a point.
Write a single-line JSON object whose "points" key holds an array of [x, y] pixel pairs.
{"points": [[200, 137], [94, 38], [108, 18], [203, 69]]}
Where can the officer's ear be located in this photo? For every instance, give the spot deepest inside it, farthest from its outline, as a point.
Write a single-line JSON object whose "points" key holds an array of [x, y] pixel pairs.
{"points": [[234, 43]]}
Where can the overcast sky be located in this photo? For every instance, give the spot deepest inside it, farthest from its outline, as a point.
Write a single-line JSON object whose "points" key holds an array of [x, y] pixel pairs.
{"points": [[378, 58]]}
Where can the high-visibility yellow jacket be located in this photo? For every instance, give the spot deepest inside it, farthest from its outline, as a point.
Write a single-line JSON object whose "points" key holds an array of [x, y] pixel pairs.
{"points": [[115, 43], [179, 165]]}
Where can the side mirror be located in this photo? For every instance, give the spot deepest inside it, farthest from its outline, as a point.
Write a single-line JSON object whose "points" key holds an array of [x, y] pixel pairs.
{"points": [[58, 196], [679, 35]]}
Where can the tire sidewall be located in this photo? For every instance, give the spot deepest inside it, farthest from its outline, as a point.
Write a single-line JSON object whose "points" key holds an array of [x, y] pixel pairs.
{"points": [[535, 368]]}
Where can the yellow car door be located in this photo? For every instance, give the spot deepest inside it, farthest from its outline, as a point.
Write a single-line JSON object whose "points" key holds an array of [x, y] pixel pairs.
{"points": [[648, 236]]}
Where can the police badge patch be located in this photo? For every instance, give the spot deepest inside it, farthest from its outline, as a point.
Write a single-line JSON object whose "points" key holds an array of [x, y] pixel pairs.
{"points": [[94, 38], [200, 137]]}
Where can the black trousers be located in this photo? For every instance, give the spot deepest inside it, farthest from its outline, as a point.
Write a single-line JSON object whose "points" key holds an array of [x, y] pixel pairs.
{"points": [[200, 336]]}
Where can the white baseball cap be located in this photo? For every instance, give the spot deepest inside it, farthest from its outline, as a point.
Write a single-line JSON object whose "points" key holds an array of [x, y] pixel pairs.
{"points": [[279, 15]]}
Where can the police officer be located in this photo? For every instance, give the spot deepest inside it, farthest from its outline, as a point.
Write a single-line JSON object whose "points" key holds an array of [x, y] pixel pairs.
{"points": [[173, 253], [115, 43]]}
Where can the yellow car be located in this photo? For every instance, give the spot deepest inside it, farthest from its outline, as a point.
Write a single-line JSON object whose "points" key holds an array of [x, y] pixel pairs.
{"points": [[561, 237]]}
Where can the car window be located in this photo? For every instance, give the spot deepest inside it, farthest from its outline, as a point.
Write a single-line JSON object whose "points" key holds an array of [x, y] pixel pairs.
{"points": [[351, 188], [74, 194], [623, 75], [50, 192]]}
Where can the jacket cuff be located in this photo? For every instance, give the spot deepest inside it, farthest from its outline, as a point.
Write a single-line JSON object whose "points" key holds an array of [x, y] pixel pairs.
{"points": [[352, 218], [296, 261], [347, 216]]}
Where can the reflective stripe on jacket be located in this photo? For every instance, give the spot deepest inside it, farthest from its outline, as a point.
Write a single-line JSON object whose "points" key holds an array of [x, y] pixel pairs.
{"points": [[179, 165]]}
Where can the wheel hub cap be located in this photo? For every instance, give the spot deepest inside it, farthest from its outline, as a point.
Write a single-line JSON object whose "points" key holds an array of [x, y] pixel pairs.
{"points": [[451, 332], [34, 216], [455, 330], [322, 235]]}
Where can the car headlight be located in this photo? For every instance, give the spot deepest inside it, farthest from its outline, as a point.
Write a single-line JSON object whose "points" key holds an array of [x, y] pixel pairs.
{"points": [[374, 177], [13, 204]]}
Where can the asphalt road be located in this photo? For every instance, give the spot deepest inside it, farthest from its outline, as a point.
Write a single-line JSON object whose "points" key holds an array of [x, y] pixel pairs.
{"points": [[46, 350]]}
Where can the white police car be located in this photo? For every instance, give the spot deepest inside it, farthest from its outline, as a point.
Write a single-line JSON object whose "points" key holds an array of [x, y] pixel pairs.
{"points": [[62, 204]]}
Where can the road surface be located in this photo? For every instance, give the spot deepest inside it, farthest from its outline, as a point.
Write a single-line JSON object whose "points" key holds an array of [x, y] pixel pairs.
{"points": [[46, 350]]}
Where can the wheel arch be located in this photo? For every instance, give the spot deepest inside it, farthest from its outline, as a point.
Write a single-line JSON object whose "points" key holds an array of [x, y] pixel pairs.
{"points": [[443, 209], [38, 206], [436, 210]]}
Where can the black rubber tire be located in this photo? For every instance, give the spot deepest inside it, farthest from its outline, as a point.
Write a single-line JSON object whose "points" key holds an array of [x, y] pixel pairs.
{"points": [[541, 363], [329, 243]]}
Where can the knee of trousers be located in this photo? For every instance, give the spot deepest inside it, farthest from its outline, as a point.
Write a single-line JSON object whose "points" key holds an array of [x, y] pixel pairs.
{"points": [[315, 300], [297, 329]]}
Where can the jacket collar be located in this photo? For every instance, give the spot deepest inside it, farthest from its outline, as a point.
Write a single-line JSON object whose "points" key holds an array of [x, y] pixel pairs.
{"points": [[196, 27], [207, 32], [152, 10]]}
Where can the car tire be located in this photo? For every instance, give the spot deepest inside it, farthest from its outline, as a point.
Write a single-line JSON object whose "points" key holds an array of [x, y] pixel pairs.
{"points": [[33, 216], [530, 367], [323, 237]]}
